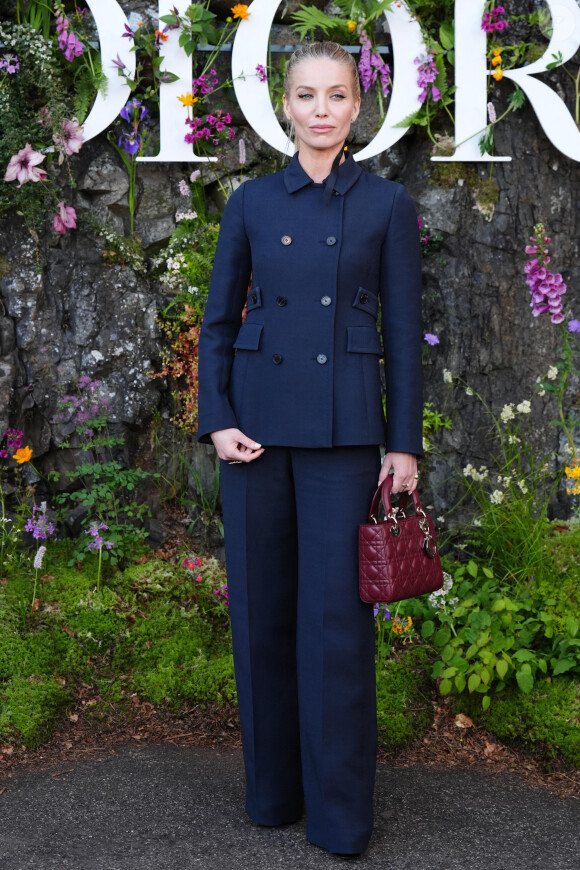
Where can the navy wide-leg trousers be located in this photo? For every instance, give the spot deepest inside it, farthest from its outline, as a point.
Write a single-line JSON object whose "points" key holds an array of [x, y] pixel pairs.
{"points": [[303, 640]]}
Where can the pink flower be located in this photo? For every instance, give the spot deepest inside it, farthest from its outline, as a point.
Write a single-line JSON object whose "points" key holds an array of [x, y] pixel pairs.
{"points": [[24, 166], [68, 142], [65, 218], [73, 47]]}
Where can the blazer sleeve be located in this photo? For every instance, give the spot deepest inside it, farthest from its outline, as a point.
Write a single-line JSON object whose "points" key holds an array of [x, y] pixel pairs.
{"points": [[402, 328], [222, 319]]}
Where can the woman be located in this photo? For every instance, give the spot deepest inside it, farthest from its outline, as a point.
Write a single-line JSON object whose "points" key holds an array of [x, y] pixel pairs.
{"points": [[291, 399]]}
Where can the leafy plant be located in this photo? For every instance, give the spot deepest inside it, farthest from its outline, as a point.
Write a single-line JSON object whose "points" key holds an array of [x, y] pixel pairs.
{"points": [[106, 488], [491, 638]]}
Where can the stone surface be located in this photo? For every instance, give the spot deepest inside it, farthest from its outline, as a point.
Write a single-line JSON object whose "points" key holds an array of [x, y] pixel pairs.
{"points": [[79, 316], [165, 807]]}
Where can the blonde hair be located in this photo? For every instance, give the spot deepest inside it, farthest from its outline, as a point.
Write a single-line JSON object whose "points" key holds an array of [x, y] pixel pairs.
{"points": [[316, 51]]}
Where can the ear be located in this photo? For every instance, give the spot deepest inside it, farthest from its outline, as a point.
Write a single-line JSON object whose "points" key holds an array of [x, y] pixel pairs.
{"points": [[286, 107], [355, 111]]}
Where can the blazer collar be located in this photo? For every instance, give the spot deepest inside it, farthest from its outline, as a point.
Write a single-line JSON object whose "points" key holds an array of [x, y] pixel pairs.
{"points": [[348, 172]]}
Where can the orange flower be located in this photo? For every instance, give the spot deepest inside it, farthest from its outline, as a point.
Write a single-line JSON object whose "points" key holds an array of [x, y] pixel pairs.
{"points": [[24, 454], [161, 35], [498, 75], [240, 10]]}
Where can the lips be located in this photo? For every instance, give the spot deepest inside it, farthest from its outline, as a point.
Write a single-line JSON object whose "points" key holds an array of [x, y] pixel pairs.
{"points": [[322, 128]]}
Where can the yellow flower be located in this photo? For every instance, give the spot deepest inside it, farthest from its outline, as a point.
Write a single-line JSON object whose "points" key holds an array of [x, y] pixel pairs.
{"points": [[351, 25], [187, 99], [240, 10], [24, 454], [498, 75], [495, 61]]}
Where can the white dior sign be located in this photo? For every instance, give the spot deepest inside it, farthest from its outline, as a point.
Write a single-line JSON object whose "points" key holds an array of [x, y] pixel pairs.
{"points": [[251, 48]]}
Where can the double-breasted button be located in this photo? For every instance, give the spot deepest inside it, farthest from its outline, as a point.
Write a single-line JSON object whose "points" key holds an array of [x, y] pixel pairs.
{"points": [[253, 299], [281, 301], [321, 358], [286, 240], [331, 240], [326, 300], [364, 298], [277, 359]]}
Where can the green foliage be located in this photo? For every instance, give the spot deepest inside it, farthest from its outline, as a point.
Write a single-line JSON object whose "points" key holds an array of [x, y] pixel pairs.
{"points": [[404, 710], [512, 499], [433, 421], [490, 638], [545, 722], [162, 633], [104, 487], [30, 706]]}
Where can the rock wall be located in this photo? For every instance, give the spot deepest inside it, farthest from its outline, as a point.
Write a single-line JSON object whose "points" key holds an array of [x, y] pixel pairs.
{"points": [[79, 316]]}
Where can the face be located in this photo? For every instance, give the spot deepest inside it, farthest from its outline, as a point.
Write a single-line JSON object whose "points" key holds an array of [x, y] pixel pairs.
{"points": [[322, 104]]}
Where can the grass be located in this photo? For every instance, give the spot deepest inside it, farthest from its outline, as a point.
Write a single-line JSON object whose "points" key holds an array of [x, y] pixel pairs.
{"points": [[158, 633]]}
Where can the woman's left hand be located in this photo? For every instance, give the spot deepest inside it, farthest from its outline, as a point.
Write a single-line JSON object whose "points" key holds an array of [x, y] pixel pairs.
{"points": [[404, 467]]}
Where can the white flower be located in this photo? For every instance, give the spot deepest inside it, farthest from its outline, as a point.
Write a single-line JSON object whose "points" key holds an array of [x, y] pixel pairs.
{"points": [[524, 407], [476, 522], [567, 449], [447, 376], [468, 391], [39, 557], [522, 486], [513, 439], [552, 373], [541, 392], [496, 497], [507, 412], [441, 520]]}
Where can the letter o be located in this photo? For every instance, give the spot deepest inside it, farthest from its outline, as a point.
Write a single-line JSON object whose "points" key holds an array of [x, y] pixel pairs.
{"points": [[251, 48]]}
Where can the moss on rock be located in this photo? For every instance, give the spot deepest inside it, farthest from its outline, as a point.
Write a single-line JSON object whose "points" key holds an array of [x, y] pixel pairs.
{"points": [[404, 688]]}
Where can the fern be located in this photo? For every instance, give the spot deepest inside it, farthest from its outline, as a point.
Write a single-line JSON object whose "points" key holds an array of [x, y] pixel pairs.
{"points": [[308, 18]]}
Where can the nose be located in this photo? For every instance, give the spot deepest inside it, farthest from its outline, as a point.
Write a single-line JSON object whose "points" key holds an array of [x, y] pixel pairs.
{"points": [[321, 108]]}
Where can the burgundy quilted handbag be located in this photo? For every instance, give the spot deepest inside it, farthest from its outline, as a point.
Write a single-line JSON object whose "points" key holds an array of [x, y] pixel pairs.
{"points": [[398, 556]]}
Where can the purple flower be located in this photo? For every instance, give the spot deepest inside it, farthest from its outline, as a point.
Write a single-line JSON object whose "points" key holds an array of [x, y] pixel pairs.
{"points": [[128, 33], [427, 73], [431, 339], [39, 524], [118, 62], [133, 111], [491, 20], [184, 188], [130, 142], [71, 46], [10, 63], [574, 326], [262, 74]]}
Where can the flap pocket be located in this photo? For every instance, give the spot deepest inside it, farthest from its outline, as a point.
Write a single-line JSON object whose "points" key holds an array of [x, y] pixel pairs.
{"points": [[249, 336], [363, 339], [366, 301], [254, 298]]}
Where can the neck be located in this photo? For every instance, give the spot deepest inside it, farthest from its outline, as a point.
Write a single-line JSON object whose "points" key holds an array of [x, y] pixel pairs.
{"points": [[317, 164]]}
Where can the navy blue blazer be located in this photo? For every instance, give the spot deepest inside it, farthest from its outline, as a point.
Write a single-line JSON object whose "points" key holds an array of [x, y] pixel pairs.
{"points": [[302, 370]]}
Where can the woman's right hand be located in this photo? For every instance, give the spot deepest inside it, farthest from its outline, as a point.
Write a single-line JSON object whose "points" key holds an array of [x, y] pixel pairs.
{"points": [[233, 446]]}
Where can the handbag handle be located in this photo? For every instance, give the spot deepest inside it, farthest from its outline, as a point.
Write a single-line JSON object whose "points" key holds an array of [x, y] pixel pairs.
{"points": [[383, 493]]}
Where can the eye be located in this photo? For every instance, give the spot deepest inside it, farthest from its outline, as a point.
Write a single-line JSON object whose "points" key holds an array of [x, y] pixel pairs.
{"points": [[304, 96], [338, 96]]}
